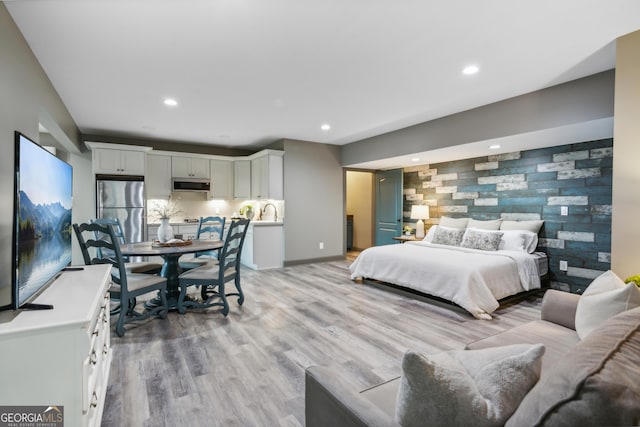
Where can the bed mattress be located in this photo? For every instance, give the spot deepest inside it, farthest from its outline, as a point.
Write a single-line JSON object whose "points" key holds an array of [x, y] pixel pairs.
{"points": [[473, 279]]}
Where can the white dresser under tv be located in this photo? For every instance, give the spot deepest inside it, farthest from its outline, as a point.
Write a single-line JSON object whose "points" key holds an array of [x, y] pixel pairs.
{"points": [[60, 357]]}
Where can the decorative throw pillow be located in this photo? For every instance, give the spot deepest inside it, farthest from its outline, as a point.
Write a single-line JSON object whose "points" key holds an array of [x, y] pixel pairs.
{"points": [[493, 224], [533, 226], [468, 387], [480, 239], [605, 297], [448, 236], [446, 221]]}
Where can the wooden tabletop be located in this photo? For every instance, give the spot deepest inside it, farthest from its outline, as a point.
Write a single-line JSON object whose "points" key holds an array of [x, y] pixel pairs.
{"points": [[147, 248]]}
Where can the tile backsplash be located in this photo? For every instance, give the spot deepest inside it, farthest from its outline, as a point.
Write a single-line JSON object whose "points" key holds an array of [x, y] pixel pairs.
{"points": [[195, 205]]}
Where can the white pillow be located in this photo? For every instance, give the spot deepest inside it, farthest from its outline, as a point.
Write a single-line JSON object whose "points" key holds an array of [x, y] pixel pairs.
{"points": [[446, 221], [484, 240], [429, 236], [533, 226], [468, 387], [512, 240], [605, 297], [519, 240], [493, 224]]}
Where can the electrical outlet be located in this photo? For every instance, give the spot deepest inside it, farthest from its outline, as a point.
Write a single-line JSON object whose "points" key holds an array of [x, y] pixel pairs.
{"points": [[321, 245], [564, 210], [564, 266]]}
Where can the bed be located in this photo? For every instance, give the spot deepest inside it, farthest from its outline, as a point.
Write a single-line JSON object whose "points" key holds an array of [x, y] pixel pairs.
{"points": [[474, 279]]}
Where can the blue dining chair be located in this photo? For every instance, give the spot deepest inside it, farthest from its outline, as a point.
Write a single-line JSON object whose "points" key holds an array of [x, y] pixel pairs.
{"points": [[125, 286], [131, 266], [209, 228], [213, 275]]}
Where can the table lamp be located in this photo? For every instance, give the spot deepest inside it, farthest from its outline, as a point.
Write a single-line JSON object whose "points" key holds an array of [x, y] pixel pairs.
{"points": [[419, 212]]}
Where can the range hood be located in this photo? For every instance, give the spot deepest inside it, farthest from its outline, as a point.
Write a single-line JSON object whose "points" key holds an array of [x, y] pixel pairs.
{"points": [[191, 184]]}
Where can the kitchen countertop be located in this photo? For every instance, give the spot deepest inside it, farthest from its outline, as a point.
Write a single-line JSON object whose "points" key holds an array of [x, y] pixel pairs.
{"points": [[265, 223]]}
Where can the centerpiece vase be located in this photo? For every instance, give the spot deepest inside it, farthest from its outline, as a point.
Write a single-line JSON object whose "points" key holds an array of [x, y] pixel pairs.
{"points": [[165, 232]]}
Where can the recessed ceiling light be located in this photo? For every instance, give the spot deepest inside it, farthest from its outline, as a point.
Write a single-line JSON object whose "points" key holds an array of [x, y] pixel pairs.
{"points": [[415, 159], [325, 127], [494, 146], [170, 102], [470, 69]]}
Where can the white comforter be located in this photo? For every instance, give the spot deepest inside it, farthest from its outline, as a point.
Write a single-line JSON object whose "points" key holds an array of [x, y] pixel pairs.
{"points": [[471, 278]]}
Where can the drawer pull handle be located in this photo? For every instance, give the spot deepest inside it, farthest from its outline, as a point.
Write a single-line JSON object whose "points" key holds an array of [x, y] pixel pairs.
{"points": [[94, 357], [94, 400], [105, 349]]}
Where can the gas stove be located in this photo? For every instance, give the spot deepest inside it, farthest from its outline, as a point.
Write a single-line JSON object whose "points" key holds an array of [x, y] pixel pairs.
{"points": [[191, 220]]}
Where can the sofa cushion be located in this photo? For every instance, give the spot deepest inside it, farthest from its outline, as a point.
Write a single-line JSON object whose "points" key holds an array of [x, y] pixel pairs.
{"points": [[605, 297], [384, 395], [596, 383], [469, 387], [556, 339]]}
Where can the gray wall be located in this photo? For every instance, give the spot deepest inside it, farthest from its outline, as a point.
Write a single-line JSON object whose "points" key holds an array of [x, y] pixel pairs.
{"points": [[579, 101], [27, 99], [313, 190]]}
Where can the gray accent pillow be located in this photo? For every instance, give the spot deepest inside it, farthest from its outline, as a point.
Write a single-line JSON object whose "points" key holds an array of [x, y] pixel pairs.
{"points": [[493, 224], [448, 236], [466, 388], [481, 239], [446, 221]]}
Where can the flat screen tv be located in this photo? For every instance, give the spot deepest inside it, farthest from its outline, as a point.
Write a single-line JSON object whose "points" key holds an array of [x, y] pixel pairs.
{"points": [[42, 221]]}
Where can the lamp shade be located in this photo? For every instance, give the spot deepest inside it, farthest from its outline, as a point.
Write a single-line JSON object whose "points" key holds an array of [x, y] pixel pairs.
{"points": [[419, 212]]}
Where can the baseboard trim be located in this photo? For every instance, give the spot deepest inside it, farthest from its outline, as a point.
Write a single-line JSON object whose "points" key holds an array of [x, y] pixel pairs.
{"points": [[313, 260]]}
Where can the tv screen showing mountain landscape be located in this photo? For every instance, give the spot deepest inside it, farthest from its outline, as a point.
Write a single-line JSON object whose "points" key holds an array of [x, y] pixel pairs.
{"points": [[43, 218]]}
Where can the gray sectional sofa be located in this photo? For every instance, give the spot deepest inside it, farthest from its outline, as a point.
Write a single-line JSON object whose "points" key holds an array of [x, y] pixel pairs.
{"points": [[595, 381]]}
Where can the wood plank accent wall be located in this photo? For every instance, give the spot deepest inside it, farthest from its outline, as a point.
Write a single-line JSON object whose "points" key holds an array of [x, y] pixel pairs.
{"points": [[531, 184]]}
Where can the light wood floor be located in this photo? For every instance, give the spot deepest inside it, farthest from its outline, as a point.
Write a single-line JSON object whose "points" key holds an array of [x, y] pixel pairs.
{"points": [[247, 369]]}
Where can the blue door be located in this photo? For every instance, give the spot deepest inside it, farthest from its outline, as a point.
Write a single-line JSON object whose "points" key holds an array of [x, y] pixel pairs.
{"points": [[388, 206]]}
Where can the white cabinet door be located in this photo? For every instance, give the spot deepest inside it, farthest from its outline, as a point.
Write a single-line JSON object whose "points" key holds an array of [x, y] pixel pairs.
{"points": [[133, 162], [199, 168], [259, 178], [158, 176], [242, 179], [221, 179], [180, 167], [118, 162], [267, 179], [189, 167]]}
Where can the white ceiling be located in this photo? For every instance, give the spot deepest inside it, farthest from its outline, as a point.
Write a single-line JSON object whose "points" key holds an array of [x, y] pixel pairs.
{"points": [[248, 72]]}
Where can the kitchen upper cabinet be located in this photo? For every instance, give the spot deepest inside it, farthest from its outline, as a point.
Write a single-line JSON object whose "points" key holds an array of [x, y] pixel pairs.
{"points": [[242, 179], [221, 179], [158, 176], [267, 176], [189, 167], [118, 162]]}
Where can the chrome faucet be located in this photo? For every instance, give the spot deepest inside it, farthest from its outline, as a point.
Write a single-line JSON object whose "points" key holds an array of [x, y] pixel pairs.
{"points": [[275, 211]]}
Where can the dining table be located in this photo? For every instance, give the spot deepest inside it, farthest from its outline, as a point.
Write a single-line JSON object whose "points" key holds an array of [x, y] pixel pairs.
{"points": [[170, 253]]}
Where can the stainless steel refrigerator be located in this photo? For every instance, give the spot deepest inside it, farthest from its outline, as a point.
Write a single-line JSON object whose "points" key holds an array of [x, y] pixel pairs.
{"points": [[123, 198]]}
